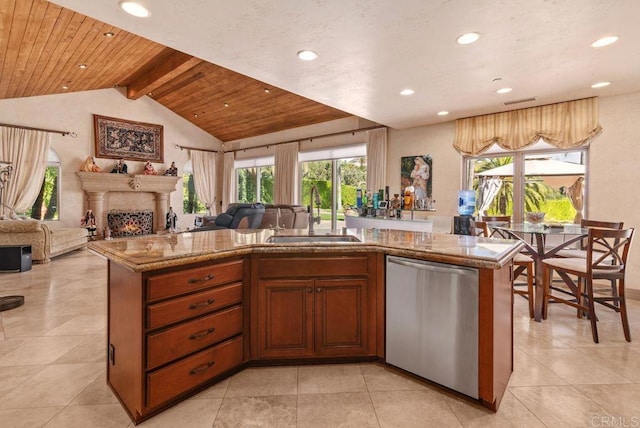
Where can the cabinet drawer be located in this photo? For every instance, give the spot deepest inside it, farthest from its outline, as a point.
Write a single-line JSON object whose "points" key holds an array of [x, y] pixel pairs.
{"points": [[176, 283], [165, 384], [192, 305], [312, 266], [191, 336]]}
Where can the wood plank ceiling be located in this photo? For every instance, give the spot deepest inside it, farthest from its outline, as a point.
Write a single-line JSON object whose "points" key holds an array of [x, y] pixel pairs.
{"points": [[44, 46]]}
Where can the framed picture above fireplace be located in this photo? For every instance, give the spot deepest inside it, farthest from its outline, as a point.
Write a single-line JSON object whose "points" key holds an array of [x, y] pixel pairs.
{"points": [[125, 139]]}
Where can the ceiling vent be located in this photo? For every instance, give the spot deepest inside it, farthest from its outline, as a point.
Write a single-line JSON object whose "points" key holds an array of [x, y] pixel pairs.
{"points": [[525, 100]]}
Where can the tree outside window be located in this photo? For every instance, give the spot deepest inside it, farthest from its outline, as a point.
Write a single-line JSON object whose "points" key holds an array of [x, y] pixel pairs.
{"points": [[46, 204], [190, 202]]}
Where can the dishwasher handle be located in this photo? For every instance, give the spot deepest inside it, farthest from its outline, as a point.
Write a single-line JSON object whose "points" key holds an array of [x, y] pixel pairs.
{"points": [[428, 266]]}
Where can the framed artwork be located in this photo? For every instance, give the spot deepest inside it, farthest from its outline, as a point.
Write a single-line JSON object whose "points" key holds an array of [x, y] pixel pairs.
{"points": [[125, 139], [417, 171]]}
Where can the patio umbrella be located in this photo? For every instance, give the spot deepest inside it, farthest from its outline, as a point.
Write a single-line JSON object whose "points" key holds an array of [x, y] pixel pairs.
{"points": [[554, 172], [489, 187]]}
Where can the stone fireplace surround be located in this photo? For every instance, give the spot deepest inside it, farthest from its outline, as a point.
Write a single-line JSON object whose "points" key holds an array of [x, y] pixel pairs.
{"points": [[106, 192]]}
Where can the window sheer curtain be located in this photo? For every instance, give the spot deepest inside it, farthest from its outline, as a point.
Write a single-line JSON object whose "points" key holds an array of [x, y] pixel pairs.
{"points": [[563, 125], [228, 181], [286, 173], [376, 159], [204, 177], [27, 151]]}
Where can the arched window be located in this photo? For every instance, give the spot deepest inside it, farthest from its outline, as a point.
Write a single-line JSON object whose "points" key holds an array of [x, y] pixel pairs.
{"points": [[46, 204], [190, 202]]}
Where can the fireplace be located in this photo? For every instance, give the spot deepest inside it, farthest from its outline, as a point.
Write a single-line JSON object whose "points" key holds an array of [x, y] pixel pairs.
{"points": [[130, 223]]}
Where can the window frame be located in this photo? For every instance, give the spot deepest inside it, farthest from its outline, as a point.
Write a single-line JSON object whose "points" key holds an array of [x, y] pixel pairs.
{"points": [[519, 180], [258, 163]]}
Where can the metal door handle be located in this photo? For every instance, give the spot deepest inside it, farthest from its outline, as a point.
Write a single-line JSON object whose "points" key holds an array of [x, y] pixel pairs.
{"points": [[203, 368], [202, 333], [203, 279], [201, 304]]}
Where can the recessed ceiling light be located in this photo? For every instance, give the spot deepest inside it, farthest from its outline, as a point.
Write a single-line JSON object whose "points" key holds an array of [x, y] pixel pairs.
{"points": [[135, 9], [307, 55], [600, 85], [195, 114], [82, 66], [226, 104], [267, 90], [108, 34], [468, 38], [605, 41], [504, 90], [65, 87], [407, 92], [443, 113]]}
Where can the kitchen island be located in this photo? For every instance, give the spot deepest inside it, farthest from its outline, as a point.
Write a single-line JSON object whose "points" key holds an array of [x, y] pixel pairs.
{"points": [[186, 310]]}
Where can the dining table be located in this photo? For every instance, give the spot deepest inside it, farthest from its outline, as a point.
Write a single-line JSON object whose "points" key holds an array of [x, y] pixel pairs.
{"points": [[535, 237]]}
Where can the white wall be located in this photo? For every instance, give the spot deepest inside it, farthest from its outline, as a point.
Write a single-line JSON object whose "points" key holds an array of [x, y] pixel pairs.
{"points": [[74, 112]]}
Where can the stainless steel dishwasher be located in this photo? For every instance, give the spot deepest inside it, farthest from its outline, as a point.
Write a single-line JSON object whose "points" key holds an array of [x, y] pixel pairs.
{"points": [[432, 322]]}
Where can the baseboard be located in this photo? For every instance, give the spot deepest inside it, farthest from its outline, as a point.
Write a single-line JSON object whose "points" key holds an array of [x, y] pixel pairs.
{"points": [[632, 293]]}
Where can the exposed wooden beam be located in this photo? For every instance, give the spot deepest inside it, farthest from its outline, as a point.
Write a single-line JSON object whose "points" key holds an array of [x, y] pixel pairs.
{"points": [[161, 71]]}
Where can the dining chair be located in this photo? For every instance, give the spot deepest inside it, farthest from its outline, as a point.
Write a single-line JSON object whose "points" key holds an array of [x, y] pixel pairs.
{"points": [[497, 219], [607, 251], [521, 262]]}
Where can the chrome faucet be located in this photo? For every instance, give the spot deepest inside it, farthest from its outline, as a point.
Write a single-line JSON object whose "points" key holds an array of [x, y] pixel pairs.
{"points": [[312, 219], [278, 227]]}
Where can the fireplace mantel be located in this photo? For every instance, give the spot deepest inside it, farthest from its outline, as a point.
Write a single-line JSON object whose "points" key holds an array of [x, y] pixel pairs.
{"points": [[99, 186]]}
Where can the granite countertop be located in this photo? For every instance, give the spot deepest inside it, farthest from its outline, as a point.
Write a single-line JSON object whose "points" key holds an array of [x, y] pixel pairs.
{"points": [[168, 250]]}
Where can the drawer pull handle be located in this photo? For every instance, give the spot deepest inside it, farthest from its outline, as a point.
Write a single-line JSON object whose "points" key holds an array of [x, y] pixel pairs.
{"points": [[202, 368], [202, 333], [203, 279], [309, 290], [319, 290], [200, 305]]}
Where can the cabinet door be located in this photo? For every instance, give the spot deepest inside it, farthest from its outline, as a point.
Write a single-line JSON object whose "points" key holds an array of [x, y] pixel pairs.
{"points": [[286, 318], [341, 317]]}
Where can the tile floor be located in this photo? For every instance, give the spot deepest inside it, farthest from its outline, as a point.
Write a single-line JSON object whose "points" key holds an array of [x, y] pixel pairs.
{"points": [[52, 372]]}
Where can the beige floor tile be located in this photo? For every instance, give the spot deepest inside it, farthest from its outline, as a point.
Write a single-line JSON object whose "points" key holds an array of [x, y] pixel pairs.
{"points": [[92, 350], [622, 401], [268, 411], [96, 416], [13, 376], [379, 377], [216, 391], [34, 418], [190, 413], [11, 344], [351, 409], [527, 371], [82, 324], [56, 385], [423, 408], [41, 350], [263, 381], [575, 367], [97, 392], [623, 361], [36, 325], [330, 378], [559, 406], [512, 413]]}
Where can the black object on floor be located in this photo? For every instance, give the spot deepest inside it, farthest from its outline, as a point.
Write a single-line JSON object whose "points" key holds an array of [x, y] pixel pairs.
{"points": [[15, 258], [10, 302]]}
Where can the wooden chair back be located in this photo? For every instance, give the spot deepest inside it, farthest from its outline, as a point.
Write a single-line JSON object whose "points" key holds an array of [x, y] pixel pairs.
{"points": [[607, 252], [479, 228], [497, 219]]}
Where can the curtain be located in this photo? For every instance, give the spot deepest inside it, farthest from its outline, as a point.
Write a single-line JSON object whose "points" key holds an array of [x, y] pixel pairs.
{"points": [[376, 140], [489, 188], [564, 125], [228, 181], [575, 192], [286, 173], [204, 176], [27, 151]]}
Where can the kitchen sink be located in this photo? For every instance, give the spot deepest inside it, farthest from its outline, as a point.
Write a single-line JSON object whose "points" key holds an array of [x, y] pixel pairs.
{"points": [[312, 238]]}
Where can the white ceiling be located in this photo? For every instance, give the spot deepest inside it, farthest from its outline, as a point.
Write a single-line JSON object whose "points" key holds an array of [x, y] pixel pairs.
{"points": [[369, 50]]}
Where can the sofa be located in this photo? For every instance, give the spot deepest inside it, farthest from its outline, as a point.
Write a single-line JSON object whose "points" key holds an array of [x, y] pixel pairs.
{"points": [[237, 216], [291, 217], [46, 242]]}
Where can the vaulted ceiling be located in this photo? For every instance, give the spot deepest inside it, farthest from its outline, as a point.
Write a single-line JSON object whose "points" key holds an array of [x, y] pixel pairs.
{"points": [[47, 49]]}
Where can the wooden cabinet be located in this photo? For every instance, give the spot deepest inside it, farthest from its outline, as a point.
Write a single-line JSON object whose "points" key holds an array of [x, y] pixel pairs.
{"points": [[173, 331], [325, 310]]}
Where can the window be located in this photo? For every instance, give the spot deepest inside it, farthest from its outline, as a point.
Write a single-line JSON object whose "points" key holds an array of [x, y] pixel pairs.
{"points": [[190, 202], [254, 180], [337, 173], [46, 204], [541, 178]]}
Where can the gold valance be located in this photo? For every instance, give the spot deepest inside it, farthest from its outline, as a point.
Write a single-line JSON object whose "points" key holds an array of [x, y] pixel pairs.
{"points": [[564, 125]]}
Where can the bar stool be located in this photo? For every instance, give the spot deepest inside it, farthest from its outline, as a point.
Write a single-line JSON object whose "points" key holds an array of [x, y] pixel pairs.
{"points": [[607, 251]]}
